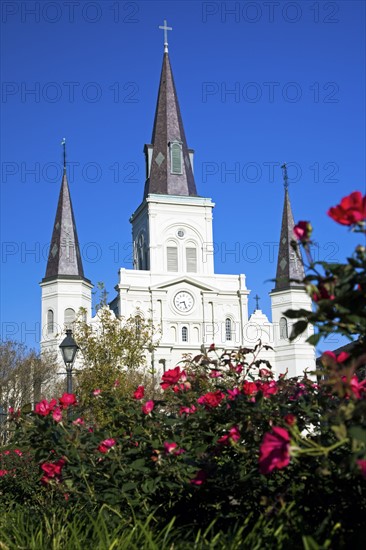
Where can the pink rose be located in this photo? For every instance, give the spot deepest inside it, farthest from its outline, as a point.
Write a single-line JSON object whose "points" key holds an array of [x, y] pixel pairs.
{"points": [[275, 450], [356, 387], [329, 358], [201, 476], [187, 410], [139, 393], [105, 445], [215, 373], [169, 447], [78, 422], [233, 435], [233, 393], [290, 419], [211, 399], [52, 470], [362, 466], [148, 407], [171, 377], [303, 231], [43, 408], [351, 210], [267, 388], [57, 414], [67, 399], [249, 388]]}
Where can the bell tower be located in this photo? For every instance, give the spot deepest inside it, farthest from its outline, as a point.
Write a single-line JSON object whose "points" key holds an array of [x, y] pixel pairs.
{"points": [[289, 293], [65, 289]]}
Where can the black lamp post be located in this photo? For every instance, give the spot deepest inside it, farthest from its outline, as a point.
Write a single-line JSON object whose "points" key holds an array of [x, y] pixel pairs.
{"points": [[69, 350]]}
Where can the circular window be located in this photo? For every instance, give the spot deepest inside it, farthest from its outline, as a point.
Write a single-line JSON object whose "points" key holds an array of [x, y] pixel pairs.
{"points": [[180, 233]]}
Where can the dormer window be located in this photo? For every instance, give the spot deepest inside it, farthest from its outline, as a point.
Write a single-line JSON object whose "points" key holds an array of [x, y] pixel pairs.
{"points": [[176, 157]]}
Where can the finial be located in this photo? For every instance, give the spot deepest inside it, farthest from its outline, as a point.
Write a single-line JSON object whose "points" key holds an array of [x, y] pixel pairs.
{"points": [[285, 176], [165, 28], [63, 143], [256, 298]]}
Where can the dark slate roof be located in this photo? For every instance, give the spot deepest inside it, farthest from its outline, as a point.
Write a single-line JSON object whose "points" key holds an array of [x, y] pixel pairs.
{"points": [[64, 257], [168, 127], [290, 267]]}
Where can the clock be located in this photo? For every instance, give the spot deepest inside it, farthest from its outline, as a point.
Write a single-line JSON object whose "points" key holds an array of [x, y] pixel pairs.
{"points": [[183, 301]]}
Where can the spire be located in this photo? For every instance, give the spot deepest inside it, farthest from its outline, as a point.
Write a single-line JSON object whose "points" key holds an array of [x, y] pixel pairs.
{"points": [[169, 170], [289, 264], [64, 257]]}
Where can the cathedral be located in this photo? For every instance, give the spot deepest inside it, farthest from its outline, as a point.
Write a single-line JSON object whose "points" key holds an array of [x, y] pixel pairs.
{"points": [[173, 280]]}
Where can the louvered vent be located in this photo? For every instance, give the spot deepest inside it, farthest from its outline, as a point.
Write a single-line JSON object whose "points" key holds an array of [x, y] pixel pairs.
{"points": [[176, 158], [172, 258], [191, 258]]}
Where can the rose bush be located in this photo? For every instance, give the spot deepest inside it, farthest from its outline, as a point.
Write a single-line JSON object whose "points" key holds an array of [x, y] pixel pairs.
{"points": [[223, 440], [224, 455]]}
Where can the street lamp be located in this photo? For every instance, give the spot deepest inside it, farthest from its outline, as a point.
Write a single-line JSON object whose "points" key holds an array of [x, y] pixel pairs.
{"points": [[69, 350]]}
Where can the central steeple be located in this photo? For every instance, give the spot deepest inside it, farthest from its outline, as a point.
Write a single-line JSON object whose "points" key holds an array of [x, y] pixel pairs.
{"points": [[168, 159]]}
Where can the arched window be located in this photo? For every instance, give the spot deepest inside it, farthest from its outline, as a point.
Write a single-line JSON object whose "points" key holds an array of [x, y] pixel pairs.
{"points": [[172, 258], [191, 259], [176, 158], [138, 325], [50, 322], [283, 329], [162, 362], [140, 251], [228, 329], [184, 334], [69, 317]]}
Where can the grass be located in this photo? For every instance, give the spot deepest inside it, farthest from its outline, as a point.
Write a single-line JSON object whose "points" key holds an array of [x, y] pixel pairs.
{"points": [[108, 530]]}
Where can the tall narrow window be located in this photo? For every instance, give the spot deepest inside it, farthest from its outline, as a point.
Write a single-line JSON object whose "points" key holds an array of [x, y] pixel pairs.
{"points": [[69, 317], [162, 362], [172, 258], [228, 329], [191, 259], [141, 253], [184, 334], [138, 326], [283, 329], [176, 158], [50, 322]]}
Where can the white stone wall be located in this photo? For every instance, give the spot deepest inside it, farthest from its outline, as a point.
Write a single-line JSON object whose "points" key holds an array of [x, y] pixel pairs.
{"points": [[59, 295], [296, 356]]}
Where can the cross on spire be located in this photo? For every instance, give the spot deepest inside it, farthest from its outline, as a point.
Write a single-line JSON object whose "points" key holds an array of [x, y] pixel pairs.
{"points": [[63, 143], [256, 298], [285, 176], [165, 28]]}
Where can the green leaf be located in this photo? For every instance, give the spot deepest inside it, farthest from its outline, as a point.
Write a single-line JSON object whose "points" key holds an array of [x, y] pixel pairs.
{"points": [[310, 544], [137, 464], [356, 432], [314, 339], [128, 486], [298, 328]]}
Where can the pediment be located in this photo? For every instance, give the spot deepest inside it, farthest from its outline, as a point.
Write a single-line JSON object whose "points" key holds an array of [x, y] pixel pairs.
{"points": [[186, 280]]}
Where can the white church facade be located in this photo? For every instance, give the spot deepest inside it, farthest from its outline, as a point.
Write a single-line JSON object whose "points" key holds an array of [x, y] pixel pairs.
{"points": [[173, 281]]}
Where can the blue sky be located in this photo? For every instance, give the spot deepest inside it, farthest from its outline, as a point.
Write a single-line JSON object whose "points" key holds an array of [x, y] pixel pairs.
{"points": [[259, 83]]}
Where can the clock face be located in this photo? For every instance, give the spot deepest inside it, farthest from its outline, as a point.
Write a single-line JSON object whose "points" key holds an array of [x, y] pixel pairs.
{"points": [[183, 301]]}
